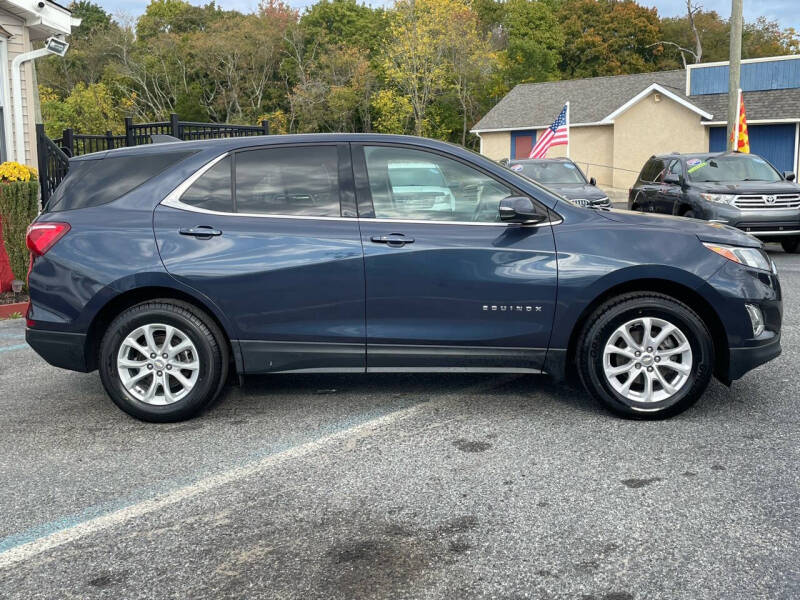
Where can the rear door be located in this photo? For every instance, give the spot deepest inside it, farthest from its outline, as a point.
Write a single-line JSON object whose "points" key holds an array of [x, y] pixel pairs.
{"points": [[448, 285], [270, 236]]}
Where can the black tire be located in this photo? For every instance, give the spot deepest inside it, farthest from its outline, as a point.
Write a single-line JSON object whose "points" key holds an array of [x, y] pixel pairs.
{"points": [[209, 341], [791, 245], [620, 310], [689, 214]]}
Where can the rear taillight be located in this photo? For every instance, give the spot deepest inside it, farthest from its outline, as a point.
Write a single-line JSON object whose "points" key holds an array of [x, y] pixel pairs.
{"points": [[42, 236]]}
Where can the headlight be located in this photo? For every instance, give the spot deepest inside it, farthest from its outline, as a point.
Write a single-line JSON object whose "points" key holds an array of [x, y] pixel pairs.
{"points": [[750, 257], [719, 198]]}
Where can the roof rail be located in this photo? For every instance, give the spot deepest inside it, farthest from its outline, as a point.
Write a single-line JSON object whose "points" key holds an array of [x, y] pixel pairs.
{"points": [[163, 138]]}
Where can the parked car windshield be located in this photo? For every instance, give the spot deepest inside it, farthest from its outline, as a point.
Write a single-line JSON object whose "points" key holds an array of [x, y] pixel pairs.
{"points": [[731, 168], [550, 172], [416, 174]]}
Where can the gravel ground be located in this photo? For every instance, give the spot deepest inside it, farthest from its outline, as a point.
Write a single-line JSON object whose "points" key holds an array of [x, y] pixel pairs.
{"points": [[394, 486]]}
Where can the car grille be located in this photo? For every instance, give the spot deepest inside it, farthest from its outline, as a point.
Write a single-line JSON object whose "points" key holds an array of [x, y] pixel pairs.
{"points": [[580, 201], [762, 201]]}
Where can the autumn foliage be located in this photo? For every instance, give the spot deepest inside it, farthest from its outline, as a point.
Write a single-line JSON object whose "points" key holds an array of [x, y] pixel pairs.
{"points": [[429, 67]]}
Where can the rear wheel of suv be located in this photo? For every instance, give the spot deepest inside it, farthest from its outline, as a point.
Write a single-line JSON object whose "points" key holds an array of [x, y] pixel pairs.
{"points": [[163, 361], [791, 245], [645, 356]]}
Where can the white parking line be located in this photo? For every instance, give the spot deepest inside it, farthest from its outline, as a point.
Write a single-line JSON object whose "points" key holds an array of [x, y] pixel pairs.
{"points": [[74, 532]]}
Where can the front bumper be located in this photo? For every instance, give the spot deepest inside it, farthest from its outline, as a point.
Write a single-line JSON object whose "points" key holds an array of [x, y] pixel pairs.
{"points": [[59, 348], [767, 223], [743, 360]]}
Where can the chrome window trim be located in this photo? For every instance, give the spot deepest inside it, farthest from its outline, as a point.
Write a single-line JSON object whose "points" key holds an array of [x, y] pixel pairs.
{"points": [[172, 200]]}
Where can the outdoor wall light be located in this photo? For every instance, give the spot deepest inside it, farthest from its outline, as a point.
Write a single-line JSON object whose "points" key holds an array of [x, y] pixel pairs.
{"points": [[16, 286]]}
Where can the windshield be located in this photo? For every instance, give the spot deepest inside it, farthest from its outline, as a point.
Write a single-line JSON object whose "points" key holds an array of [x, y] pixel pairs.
{"points": [[550, 172], [731, 168]]}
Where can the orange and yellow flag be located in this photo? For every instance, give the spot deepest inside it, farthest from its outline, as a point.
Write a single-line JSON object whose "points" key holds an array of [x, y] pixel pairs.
{"points": [[742, 143]]}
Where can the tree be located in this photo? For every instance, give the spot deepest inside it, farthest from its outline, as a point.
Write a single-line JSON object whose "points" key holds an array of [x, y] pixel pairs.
{"points": [[533, 42], [93, 19], [339, 23], [766, 38], [604, 37], [88, 109], [426, 44], [391, 112], [88, 56], [173, 16], [471, 61]]}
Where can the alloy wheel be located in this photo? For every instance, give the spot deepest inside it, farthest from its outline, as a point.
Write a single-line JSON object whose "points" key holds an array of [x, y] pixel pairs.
{"points": [[158, 364], [647, 360]]}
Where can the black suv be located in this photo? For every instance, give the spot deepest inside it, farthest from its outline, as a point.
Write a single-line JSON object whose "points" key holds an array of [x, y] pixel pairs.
{"points": [[564, 177], [741, 190]]}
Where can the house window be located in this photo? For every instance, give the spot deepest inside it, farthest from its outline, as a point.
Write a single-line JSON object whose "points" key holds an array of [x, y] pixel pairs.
{"points": [[521, 143]]}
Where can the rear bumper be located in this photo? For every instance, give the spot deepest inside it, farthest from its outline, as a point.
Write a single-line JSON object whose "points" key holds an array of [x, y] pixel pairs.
{"points": [[60, 349], [743, 360]]}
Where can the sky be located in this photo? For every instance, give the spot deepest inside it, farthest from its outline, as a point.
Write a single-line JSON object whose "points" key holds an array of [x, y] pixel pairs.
{"points": [[785, 12]]}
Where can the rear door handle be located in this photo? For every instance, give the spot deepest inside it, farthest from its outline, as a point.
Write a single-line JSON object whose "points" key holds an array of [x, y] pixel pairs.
{"points": [[395, 240], [201, 231]]}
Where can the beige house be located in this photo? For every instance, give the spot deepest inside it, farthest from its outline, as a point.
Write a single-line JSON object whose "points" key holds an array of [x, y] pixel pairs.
{"points": [[25, 25], [617, 123]]}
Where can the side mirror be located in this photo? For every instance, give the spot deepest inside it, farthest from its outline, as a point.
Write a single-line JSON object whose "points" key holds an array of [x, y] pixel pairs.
{"points": [[592, 181], [788, 175], [672, 179], [519, 209]]}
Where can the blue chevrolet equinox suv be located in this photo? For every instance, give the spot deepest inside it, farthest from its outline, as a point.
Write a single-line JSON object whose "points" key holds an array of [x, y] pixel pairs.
{"points": [[171, 266]]}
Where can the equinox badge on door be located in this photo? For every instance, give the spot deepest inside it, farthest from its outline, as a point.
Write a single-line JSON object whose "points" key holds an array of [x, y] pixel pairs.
{"points": [[512, 308]]}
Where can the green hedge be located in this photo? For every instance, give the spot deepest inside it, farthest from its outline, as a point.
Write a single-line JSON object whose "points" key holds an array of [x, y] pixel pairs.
{"points": [[19, 205]]}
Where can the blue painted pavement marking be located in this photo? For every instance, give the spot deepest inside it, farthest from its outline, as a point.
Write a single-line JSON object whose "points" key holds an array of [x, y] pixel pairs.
{"points": [[137, 496], [16, 347]]}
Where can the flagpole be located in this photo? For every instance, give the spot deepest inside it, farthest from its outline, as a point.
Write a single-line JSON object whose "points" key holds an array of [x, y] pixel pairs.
{"points": [[567, 128], [738, 118]]}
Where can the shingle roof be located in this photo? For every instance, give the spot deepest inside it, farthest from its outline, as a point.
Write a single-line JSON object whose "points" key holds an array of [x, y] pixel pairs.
{"points": [[762, 105], [591, 100]]}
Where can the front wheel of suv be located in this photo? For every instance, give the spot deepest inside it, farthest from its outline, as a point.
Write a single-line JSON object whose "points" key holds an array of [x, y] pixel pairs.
{"points": [[645, 355], [791, 245], [163, 361]]}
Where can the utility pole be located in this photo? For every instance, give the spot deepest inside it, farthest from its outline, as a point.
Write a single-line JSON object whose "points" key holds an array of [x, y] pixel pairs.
{"points": [[734, 69]]}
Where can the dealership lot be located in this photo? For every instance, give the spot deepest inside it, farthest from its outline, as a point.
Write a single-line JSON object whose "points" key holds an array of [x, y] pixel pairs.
{"points": [[403, 486]]}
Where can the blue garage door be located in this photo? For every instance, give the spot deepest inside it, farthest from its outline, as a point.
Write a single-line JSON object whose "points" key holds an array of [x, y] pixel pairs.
{"points": [[773, 142]]}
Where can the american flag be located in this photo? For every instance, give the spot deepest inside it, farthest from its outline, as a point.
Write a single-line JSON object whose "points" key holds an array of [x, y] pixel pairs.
{"points": [[555, 135]]}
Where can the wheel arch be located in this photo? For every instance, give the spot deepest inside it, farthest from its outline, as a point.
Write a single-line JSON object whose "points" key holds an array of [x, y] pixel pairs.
{"points": [[124, 300], [671, 288]]}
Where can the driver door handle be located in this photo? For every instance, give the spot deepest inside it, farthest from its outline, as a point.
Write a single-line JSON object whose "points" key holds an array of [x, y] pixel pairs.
{"points": [[201, 231], [395, 240]]}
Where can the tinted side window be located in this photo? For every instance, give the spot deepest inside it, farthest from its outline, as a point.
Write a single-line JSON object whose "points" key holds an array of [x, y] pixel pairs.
{"points": [[96, 182], [300, 181], [413, 184], [653, 170], [675, 168], [212, 190]]}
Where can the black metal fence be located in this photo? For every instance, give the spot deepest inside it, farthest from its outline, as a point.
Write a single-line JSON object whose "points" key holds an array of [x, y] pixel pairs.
{"points": [[54, 154]]}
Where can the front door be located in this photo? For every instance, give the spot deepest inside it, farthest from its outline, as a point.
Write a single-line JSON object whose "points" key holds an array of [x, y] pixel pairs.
{"points": [[669, 194], [449, 286], [262, 234]]}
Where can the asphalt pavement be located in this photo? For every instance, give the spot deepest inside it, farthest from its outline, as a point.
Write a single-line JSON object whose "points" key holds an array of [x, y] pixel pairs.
{"points": [[400, 486]]}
